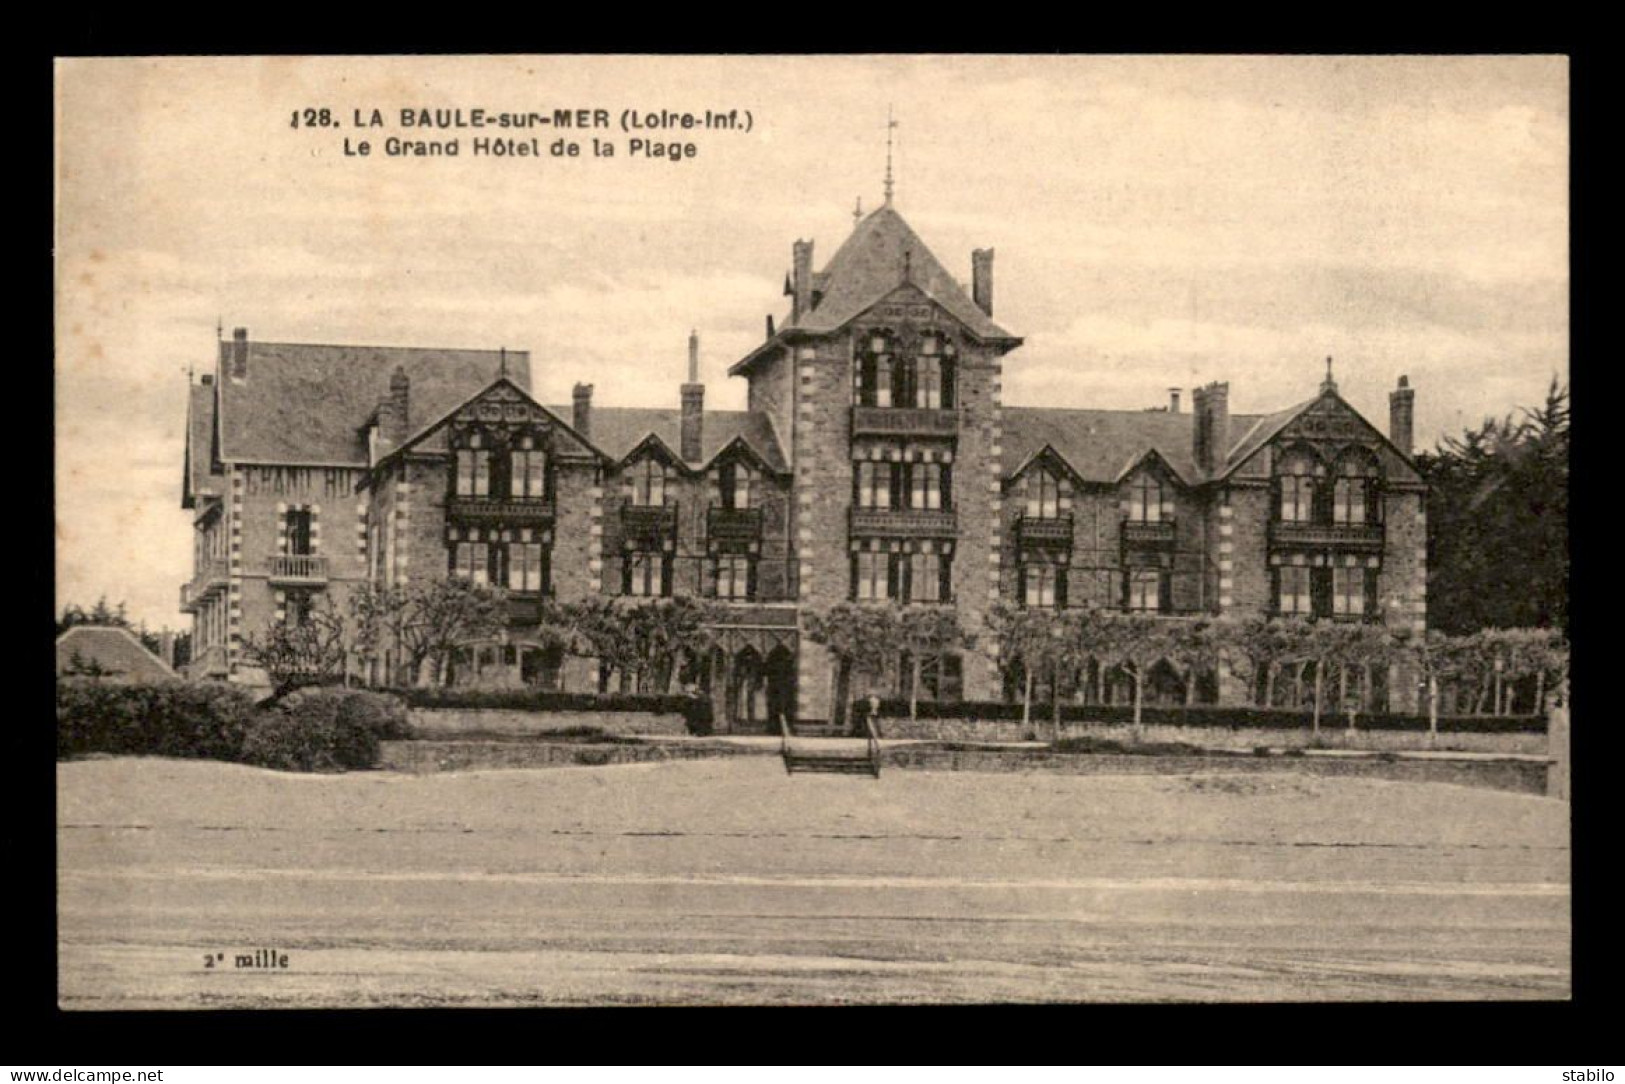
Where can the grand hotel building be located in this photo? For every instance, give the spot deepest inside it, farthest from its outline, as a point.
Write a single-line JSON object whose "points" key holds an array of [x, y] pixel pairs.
{"points": [[876, 460]]}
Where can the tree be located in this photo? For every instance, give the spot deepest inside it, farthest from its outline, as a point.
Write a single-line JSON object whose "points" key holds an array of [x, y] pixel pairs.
{"points": [[425, 621], [567, 627], [1136, 642], [1359, 647], [80, 666], [1034, 636], [117, 616], [1249, 640], [1193, 646], [927, 633], [861, 638], [310, 652], [662, 631], [1498, 554]]}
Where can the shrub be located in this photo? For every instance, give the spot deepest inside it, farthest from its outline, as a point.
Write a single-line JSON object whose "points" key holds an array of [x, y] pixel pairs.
{"points": [[324, 730], [173, 719], [695, 710]]}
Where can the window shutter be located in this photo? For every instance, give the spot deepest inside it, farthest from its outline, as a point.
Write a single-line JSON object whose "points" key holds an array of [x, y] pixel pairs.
{"points": [[894, 577], [1275, 590], [1060, 587], [546, 570], [665, 577], [1128, 576], [750, 578], [947, 487], [948, 368], [1371, 608], [852, 593], [1320, 592], [945, 578], [1165, 591], [626, 574]]}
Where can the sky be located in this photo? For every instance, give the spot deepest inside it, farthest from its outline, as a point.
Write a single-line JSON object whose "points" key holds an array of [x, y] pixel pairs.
{"points": [[1158, 222]]}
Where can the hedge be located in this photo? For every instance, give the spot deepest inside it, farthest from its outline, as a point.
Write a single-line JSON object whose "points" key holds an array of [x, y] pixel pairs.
{"points": [[1204, 715], [311, 730], [325, 730], [171, 719], [695, 710]]}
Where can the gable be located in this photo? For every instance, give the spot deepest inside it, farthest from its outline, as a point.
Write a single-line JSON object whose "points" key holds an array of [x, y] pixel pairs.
{"points": [[1331, 427], [501, 410]]}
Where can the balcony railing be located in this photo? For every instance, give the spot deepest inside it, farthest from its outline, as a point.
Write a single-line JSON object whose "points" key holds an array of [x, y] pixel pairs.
{"points": [[904, 421], [1342, 536], [1046, 531], [298, 568], [733, 524], [210, 576], [905, 522], [1157, 533], [645, 526], [501, 509]]}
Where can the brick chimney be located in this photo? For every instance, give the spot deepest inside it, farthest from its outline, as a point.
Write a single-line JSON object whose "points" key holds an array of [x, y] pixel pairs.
{"points": [[801, 279], [400, 404], [981, 289], [692, 425], [1402, 415], [1211, 433], [1173, 400], [238, 366], [581, 416]]}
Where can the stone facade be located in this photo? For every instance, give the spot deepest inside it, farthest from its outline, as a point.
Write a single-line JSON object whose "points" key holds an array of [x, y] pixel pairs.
{"points": [[886, 368]]}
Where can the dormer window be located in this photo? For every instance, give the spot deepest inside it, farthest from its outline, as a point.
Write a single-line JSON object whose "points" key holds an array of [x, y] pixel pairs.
{"points": [[734, 485], [649, 483], [1145, 498], [1043, 495]]}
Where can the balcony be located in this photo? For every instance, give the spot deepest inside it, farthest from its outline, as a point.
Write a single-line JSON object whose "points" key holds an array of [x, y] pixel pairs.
{"points": [[209, 577], [297, 568], [905, 522], [1159, 533], [1350, 537], [524, 608], [648, 527], [904, 422], [733, 524], [518, 511], [1044, 531]]}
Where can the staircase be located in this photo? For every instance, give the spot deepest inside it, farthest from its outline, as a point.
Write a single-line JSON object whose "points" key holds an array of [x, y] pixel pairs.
{"points": [[849, 756]]}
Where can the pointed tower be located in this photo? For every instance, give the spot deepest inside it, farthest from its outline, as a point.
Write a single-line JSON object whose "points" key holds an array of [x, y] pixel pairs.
{"points": [[885, 382]]}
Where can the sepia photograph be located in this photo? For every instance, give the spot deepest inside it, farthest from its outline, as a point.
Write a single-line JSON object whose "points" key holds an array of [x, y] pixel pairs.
{"points": [[811, 530]]}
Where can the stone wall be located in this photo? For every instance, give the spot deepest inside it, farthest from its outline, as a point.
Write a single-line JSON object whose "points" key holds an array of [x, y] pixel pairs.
{"points": [[1333, 735], [1526, 777], [454, 721], [423, 757]]}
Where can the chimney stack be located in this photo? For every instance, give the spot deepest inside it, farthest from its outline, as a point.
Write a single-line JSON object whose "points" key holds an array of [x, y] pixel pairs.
{"points": [[692, 421], [581, 416], [400, 402], [239, 353], [801, 280], [981, 289], [1173, 400], [1211, 434], [1402, 415]]}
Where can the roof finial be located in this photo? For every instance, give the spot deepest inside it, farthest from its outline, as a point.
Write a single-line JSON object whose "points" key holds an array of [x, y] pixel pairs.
{"points": [[890, 124], [1328, 384], [504, 363], [219, 328], [908, 265], [857, 212]]}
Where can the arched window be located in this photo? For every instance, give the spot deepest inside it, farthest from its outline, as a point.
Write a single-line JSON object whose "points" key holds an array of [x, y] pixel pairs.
{"points": [[1296, 480], [1145, 499], [1354, 489]]}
